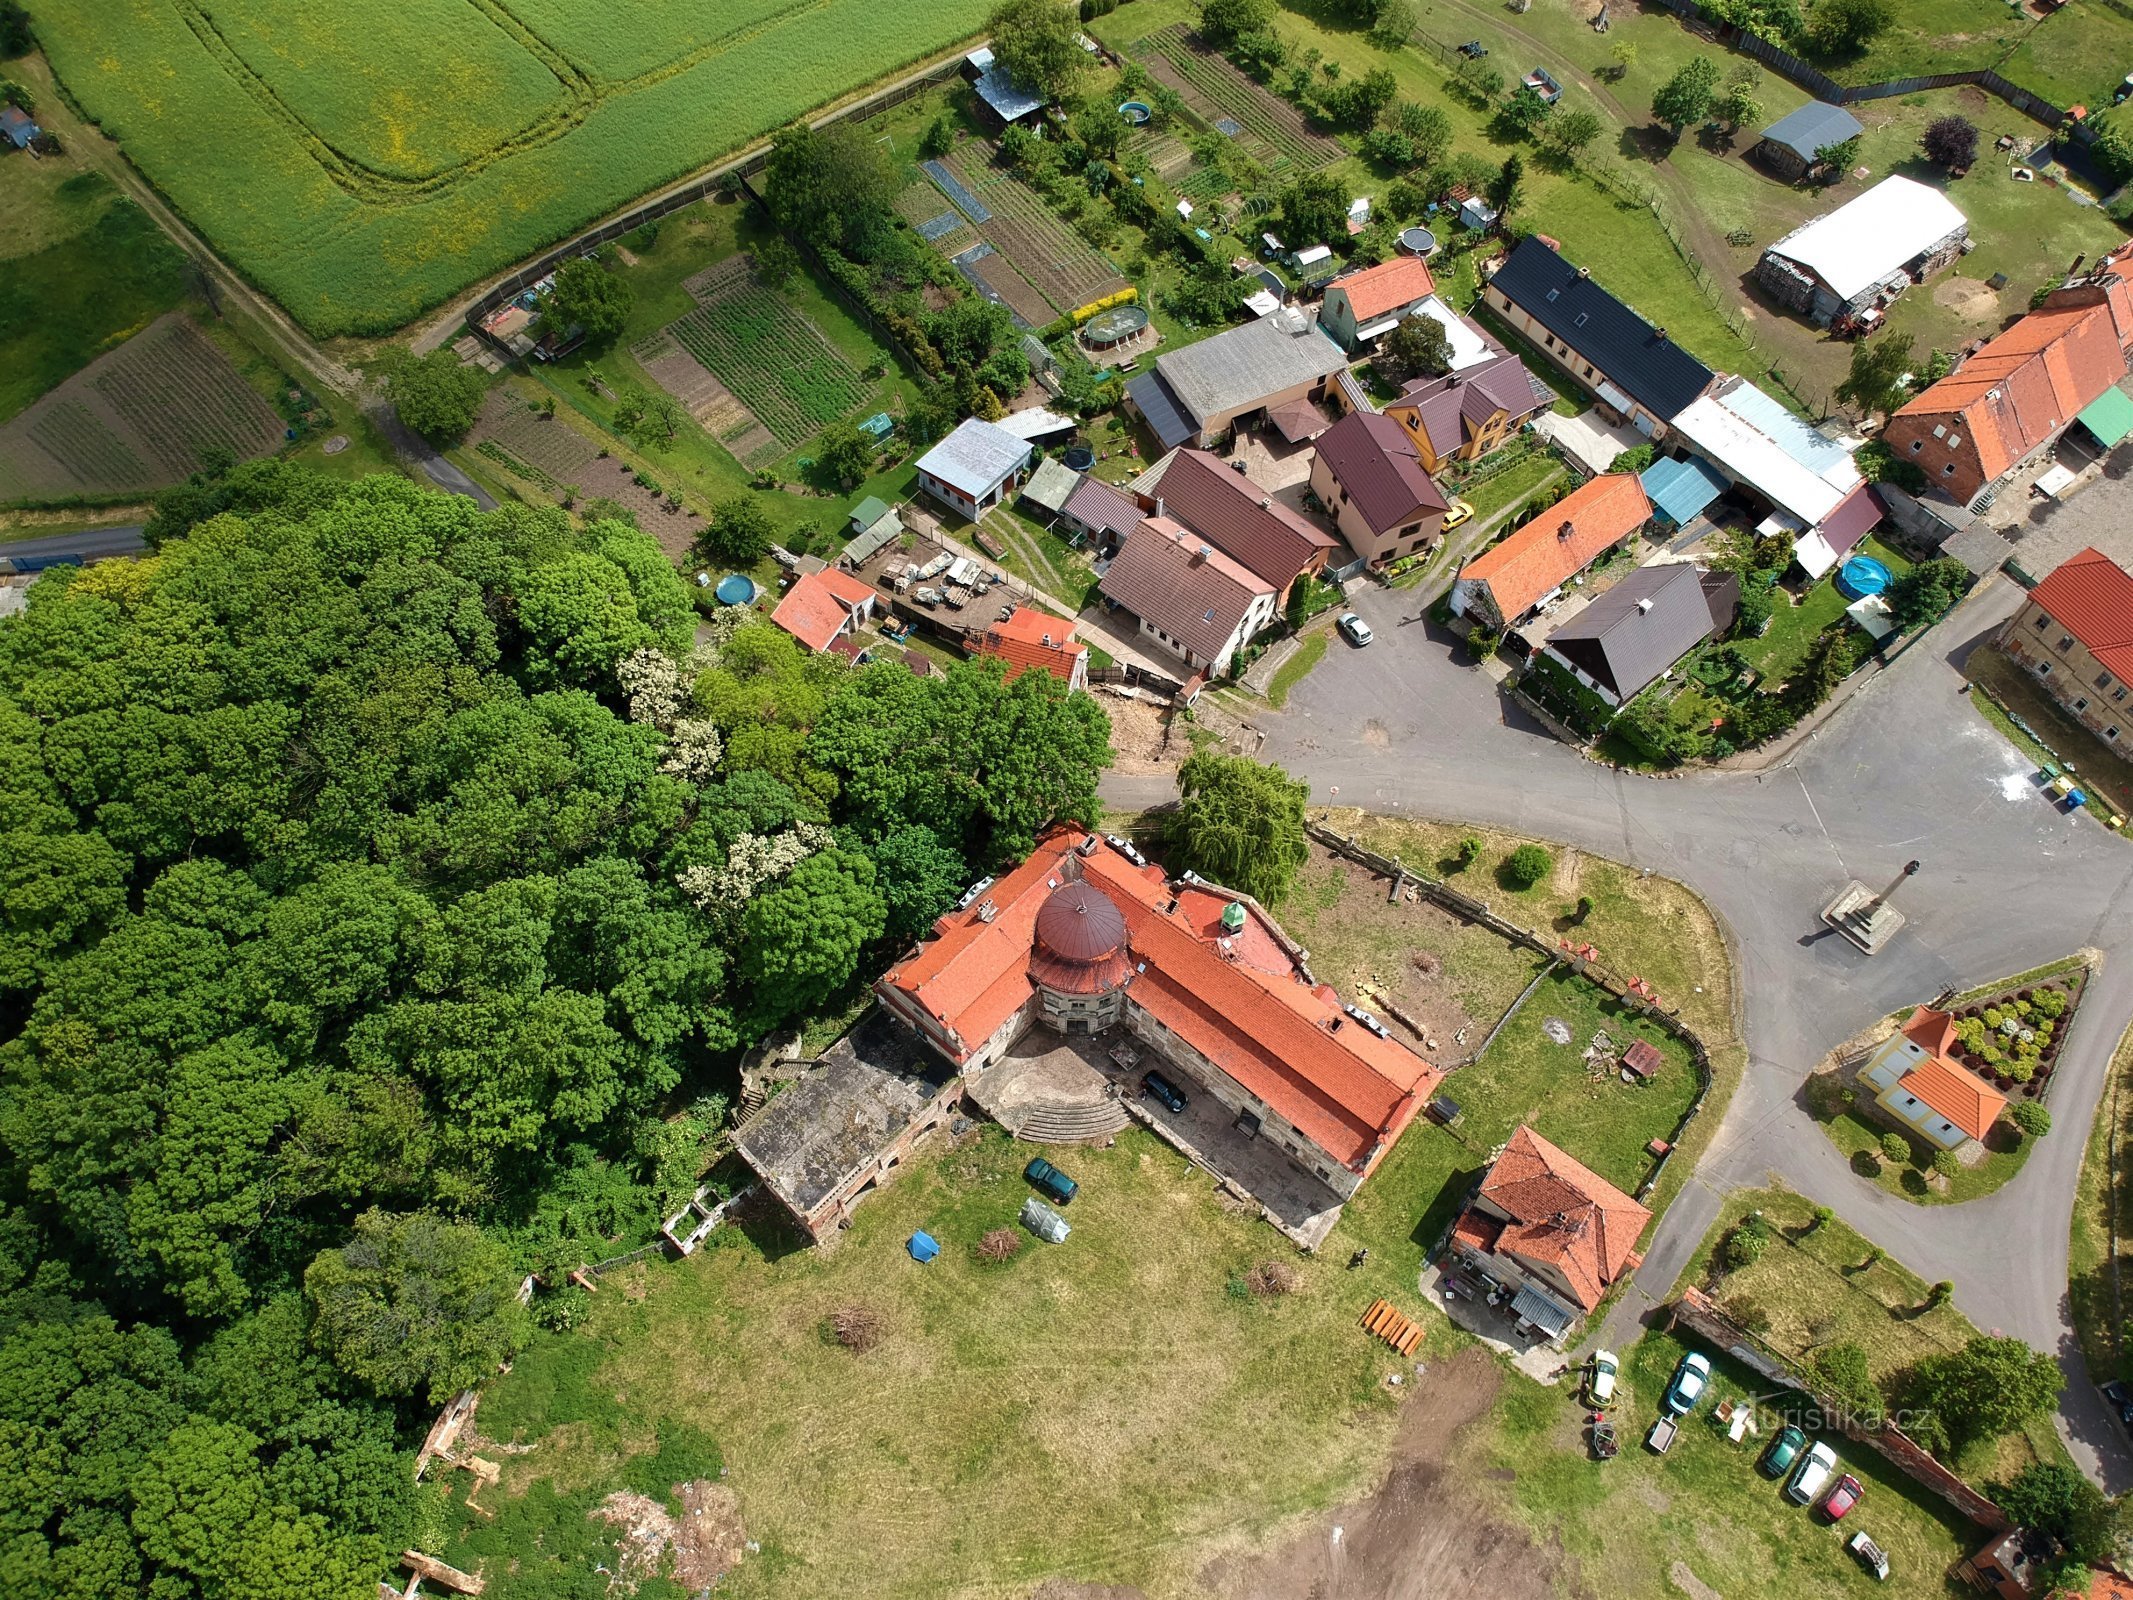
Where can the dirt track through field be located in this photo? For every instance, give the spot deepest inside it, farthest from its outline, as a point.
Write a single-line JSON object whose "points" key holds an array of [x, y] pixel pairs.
{"points": [[1422, 1534]]}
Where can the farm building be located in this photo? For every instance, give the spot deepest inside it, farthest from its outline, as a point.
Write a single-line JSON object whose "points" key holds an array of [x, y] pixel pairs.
{"points": [[1864, 253], [2008, 403], [1101, 514], [974, 468], [1622, 643], [1027, 638], [844, 1125], [1362, 307], [1550, 1229], [1808, 480], [1788, 145], [1237, 517], [1640, 376], [824, 607], [1190, 599], [1036, 423], [1469, 411], [1371, 474], [1509, 581], [1196, 394], [1084, 939]]}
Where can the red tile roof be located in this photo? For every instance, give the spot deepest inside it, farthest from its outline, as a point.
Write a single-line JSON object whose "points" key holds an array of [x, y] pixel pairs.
{"points": [[1239, 518], [1372, 458], [1032, 638], [1560, 542], [1247, 1008], [1563, 1213], [2024, 386], [1956, 1092], [820, 605], [1160, 575], [1387, 287], [2091, 597]]}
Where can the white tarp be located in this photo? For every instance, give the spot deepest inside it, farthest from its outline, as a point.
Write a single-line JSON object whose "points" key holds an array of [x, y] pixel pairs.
{"points": [[2054, 482], [1872, 614]]}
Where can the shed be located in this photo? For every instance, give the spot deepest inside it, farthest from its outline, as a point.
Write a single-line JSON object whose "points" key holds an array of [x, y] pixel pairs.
{"points": [[1643, 1058], [17, 127], [923, 1246], [1477, 214], [879, 426], [2109, 417], [1789, 144], [1050, 485], [1681, 490]]}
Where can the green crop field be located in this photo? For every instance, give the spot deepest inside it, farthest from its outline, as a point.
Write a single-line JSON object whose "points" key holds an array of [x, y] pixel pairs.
{"points": [[364, 161]]}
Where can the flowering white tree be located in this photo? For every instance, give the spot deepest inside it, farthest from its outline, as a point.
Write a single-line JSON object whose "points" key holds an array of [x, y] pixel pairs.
{"points": [[755, 861]]}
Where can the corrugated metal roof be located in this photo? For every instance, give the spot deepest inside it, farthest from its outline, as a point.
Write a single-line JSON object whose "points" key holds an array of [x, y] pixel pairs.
{"points": [[976, 457], [1813, 126], [1872, 236], [1680, 489], [1241, 368]]}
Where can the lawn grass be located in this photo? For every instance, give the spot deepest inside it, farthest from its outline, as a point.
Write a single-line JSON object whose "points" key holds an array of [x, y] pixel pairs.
{"points": [[1511, 485], [2101, 1228], [1858, 1138], [1297, 668], [1824, 1285], [1794, 627], [2077, 56], [1699, 1520]]}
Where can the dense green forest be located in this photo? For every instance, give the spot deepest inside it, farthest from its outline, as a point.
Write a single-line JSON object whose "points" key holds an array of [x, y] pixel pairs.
{"points": [[386, 890]]}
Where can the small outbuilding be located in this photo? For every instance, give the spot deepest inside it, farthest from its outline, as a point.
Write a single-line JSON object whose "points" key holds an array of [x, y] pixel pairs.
{"points": [[1788, 146], [18, 127]]}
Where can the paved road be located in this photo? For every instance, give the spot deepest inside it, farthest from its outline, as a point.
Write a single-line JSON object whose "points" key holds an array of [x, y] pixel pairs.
{"points": [[415, 450], [1905, 771], [91, 544]]}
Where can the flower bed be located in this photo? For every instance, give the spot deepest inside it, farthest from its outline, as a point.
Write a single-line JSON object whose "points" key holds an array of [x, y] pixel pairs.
{"points": [[2013, 1037]]}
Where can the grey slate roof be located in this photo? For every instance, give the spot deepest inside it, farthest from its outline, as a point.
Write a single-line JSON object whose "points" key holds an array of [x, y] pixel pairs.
{"points": [[1238, 369], [1628, 351], [1164, 414], [1616, 641], [1813, 126], [976, 457]]}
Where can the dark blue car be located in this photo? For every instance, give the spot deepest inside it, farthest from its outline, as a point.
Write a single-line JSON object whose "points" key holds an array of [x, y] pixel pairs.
{"points": [[1162, 1089]]}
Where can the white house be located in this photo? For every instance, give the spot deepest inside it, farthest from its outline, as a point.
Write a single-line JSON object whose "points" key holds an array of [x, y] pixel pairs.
{"points": [[975, 468]]}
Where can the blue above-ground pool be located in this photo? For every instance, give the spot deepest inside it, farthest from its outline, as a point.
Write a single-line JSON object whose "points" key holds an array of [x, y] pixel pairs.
{"points": [[1862, 576], [1136, 112], [735, 589]]}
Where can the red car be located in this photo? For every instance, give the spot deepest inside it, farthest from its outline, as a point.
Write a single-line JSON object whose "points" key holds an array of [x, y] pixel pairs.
{"points": [[1843, 1497]]}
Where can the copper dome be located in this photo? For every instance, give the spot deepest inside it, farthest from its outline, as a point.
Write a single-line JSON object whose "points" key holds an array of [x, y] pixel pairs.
{"points": [[1081, 942]]}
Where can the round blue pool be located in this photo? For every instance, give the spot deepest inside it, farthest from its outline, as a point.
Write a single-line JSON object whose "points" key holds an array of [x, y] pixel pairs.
{"points": [[735, 589], [1862, 576], [1136, 112]]}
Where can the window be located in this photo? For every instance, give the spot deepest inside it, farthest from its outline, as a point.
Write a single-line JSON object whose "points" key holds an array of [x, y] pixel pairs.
{"points": [[1940, 430], [2103, 680], [1917, 445], [2081, 702], [2118, 694], [2066, 643], [2043, 623], [1948, 471], [1954, 440], [2111, 734], [2044, 669]]}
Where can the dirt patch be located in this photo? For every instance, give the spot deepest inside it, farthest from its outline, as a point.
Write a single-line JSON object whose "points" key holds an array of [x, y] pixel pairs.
{"points": [[697, 1548], [1060, 1589], [1414, 978], [1689, 1584], [1968, 298], [1421, 1535], [1376, 735], [1141, 740]]}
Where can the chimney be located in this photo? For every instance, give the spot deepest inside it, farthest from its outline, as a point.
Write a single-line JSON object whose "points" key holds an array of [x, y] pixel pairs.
{"points": [[1047, 641], [1159, 511], [1644, 605], [987, 911], [1266, 502], [1662, 334], [1584, 272], [1201, 554], [1566, 531], [2079, 257]]}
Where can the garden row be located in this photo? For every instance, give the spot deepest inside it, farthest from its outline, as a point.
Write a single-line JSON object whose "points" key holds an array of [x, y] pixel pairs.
{"points": [[1219, 90], [776, 361]]}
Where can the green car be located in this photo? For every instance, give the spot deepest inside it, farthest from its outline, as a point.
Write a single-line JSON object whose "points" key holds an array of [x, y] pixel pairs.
{"points": [[1784, 1450], [1051, 1182]]}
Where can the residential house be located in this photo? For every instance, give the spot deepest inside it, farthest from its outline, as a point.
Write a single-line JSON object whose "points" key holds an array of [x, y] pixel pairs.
{"points": [[823, 607], [1235, 515], [1084, 939], [1469, 411], [1280, 363], [1640, 376], [2075, 633], [1915, 1080], [1788, 145], [1506, 583], [1627, 639], [2007, 404], [1027, 637], [1101, 514], [1814, 490], [1369, 473], [1550, 1229], [1864, 253], [1190, 599], [975, 468], [1362, 307]]}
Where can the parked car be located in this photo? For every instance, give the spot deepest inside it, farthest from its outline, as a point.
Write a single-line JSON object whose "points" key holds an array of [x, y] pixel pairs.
{"points": [[1461, 511], [1783, 1452], [1042, 1175], [1354, 629], [1686, 1387], [1812, 1474], [2121, 1400], [1871, 1555], [1843, 1498], [1600, 1386], [1162, 1089]]}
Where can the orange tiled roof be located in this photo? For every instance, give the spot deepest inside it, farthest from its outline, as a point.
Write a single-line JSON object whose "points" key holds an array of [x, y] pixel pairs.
{"points": [[1563, 1213], [1245, 1007], [2091, 597], [1032, 638], [2031, 381], [1540, 556], [819, 606], [1957, 1093], [1387, 286]]}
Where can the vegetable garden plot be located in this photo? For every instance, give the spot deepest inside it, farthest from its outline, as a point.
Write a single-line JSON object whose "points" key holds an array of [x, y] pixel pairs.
{"points": [[515, 435], [1061, 265], [779, 364], [1273, 132]]}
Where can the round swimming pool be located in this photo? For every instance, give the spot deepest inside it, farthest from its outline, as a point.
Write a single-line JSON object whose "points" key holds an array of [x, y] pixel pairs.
{"points": [[735, 589], [1862, 576], [1135, 112]]}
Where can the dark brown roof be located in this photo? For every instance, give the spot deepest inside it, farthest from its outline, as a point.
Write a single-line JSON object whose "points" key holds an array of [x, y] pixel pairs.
{"points": [[1378, 465], [1099, 505], [1239, 518], [1160, 576], [1080, 923], [1456, 406]]}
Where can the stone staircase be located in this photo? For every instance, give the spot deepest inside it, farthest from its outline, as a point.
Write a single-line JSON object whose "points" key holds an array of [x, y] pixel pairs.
{"points": [[1070, 1123]]}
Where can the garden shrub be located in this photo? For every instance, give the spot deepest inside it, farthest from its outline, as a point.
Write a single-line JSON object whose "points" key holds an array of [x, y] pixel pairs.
{"points": [[1945, 1163], [2032, 1119], [1527, 865], [1895, 1148], [1746, 1243], [1469, 851]]}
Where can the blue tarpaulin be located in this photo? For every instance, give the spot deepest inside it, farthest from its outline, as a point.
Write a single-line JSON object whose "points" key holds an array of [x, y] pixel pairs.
{"points": [[923, 1246], [1679, 490]]}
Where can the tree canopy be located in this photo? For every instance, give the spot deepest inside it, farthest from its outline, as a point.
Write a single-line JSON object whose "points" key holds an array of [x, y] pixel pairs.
{"points": [[1875, 382], [1314, 210], [438, 395], [1688, 95], [1417, 347], [1037, 42], [587, 299], [1240, 823]]}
